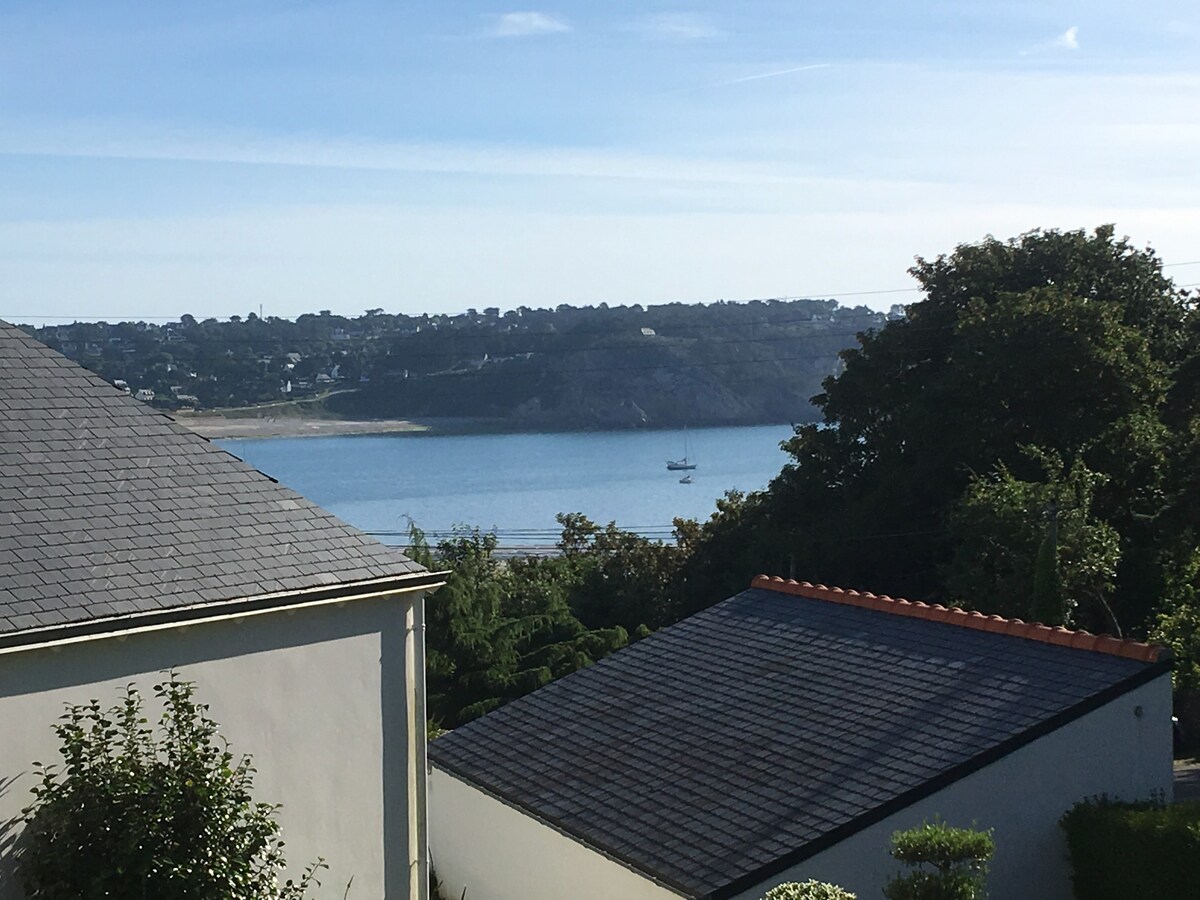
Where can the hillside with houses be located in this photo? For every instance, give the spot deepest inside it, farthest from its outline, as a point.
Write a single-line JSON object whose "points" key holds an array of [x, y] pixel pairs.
{"points": [[568, 367]]}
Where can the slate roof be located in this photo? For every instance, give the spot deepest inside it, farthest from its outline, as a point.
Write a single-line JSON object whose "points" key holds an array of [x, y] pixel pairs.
{"points": [[108, 508], [719, 751]]}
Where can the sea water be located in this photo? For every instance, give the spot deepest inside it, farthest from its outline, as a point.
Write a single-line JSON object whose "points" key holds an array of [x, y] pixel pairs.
{"points": [[516, 483]]}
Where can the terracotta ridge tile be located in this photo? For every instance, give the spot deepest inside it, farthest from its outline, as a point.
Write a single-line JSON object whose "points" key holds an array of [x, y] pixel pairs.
{"points": [[916, 609]]}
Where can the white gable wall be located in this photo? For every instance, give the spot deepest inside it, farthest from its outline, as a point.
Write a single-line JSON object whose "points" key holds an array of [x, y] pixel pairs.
{"points": [[496, 852], [1022, 796], [322, 698]]}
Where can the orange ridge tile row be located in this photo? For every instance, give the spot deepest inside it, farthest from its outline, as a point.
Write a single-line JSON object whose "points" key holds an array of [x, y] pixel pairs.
{"points": [[1034, 631]]}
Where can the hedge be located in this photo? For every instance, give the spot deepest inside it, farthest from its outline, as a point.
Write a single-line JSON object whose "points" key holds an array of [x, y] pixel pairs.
{"points": [[1123, 850]]}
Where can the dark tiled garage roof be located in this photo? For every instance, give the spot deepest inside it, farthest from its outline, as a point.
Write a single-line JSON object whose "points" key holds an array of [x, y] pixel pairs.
{"points": [[108, 508], [750, 736]]}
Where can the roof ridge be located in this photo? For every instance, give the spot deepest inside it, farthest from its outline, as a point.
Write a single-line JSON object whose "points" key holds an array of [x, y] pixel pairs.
{"points": [[935, 612]]}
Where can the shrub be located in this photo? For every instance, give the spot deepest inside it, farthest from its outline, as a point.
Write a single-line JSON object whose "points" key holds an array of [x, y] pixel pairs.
{"points": [[1134, 850], [944, 863], [137, 812], [808, 890]]}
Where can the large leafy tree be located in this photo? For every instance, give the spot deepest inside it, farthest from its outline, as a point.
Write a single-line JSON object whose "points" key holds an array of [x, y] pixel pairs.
{"points": [[1067, 341]]}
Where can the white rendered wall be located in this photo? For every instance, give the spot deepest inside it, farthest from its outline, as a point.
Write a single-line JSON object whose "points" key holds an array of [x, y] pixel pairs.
{"points": [[496, 852], [1110, 751], [310, 694]]}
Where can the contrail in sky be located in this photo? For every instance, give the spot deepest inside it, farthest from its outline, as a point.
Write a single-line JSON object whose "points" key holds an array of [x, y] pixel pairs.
{"points": [[775, 74], [769, 74]]}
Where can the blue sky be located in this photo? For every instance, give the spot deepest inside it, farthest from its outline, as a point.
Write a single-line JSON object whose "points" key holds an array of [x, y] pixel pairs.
{"points": [[209, 157]]}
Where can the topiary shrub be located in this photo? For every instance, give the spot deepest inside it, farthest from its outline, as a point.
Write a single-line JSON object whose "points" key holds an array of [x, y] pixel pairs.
{"points": [[944, 863], [808, 890], [138, 812], [1123, 850]]}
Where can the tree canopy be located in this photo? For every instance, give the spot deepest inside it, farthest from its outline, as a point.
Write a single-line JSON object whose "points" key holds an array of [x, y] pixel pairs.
{"points": [[1068, 346]]}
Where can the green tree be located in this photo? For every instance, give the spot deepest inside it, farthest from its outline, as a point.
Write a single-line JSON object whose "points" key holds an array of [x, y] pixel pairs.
{"points": [[621, 579], [499, 629], [941, 863], [138, 812], [1034, 548], [1067, 341]]}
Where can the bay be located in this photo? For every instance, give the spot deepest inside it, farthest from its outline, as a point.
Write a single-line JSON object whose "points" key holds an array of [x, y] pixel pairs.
{"points": [[516, 483]]}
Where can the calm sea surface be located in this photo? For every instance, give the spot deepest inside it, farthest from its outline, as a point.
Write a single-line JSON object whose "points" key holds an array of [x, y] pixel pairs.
{"points": [[515, 483]]}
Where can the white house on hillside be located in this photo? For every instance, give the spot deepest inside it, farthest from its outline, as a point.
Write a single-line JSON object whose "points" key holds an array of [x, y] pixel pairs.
{"points": [[785, 734], [129, 545]]}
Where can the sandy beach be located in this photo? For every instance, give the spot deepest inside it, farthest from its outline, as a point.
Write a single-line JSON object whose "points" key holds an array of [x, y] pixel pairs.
{"points": [[217, 426]]}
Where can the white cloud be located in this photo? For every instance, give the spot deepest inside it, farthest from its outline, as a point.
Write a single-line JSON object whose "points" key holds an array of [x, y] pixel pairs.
{"points": [[526, 24], [677, 27], [1069, 39]]}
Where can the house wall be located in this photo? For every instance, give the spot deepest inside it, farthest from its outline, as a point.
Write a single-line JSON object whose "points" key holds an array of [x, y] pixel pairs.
{"points": [[1110, 751], [316, 695], [495, 852]]}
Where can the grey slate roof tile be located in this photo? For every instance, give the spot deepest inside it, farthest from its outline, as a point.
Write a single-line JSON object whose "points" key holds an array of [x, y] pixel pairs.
{"points": [[114, 508], [713, 750]]}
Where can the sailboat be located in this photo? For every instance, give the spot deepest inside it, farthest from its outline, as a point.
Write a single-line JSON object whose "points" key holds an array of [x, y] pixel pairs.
{"points": [[679, 465]]}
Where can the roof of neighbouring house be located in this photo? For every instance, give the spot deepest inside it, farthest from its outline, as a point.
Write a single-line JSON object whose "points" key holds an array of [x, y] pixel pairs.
{"points": [[109, 509], [748, 737]]}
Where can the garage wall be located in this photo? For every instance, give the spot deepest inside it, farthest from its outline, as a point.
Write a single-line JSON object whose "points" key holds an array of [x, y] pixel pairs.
{"points": [[314, 695], [1113, 751], [495, 852]]}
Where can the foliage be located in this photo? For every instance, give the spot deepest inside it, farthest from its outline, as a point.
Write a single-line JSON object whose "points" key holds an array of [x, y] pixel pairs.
{"points": [[1020, 539], [808, 890], [944, 863], [138, 812], [1122, 850], [1072, 343], [499, 630], [619, 578], [1178, 624]]}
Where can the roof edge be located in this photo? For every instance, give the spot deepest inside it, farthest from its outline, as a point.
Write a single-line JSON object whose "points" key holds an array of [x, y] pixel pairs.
{"points": [[1032, 631], [940, 782], [198, 613]]}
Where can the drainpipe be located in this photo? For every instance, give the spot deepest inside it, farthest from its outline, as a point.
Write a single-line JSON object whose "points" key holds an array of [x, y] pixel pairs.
{"points": [[418, 807]]}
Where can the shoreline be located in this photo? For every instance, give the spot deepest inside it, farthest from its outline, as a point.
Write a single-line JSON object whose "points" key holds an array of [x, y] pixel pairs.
{"points": [[218, 427]]}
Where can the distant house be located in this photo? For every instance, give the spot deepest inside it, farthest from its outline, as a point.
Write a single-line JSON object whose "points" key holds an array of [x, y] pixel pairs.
{"points": [[784, 734], [122, 386], [144, 394], [129, 545]]}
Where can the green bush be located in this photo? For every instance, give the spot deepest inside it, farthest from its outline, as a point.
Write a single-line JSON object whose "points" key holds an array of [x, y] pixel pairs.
{"points": [[808, 890], [137, 812], [1123, 850], [944, 863]]}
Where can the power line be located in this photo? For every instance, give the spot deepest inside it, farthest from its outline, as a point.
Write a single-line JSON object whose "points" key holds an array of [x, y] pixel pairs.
{"points": [[814, 295], [811, 295]]}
